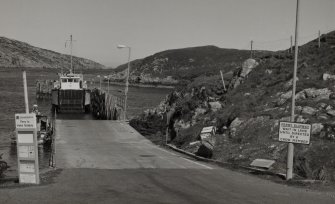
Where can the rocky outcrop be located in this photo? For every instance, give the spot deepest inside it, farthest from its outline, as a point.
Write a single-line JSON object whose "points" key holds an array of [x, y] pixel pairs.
{"points": [[310, 93], [327, 76], [246, 68]]}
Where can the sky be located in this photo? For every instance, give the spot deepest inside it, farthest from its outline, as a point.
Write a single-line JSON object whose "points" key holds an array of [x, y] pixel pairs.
{"points": [[151, 26]]}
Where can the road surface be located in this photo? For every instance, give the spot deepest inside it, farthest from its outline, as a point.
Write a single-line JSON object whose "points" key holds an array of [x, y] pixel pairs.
{"points": [[109, 162]]}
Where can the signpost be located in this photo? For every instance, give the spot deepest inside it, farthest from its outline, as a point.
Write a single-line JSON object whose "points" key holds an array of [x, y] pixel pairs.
{"points": [[27, 150], [26, 142], [294, 132]]}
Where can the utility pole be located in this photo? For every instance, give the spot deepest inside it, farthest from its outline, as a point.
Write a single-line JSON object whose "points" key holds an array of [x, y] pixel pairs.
{"points": [[25, 89], [251, 49], [291, 48], [290, 150], [319, 40]]}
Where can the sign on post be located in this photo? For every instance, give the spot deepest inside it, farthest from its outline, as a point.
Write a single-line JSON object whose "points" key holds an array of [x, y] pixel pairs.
{"points": [[27, 150], [294, 132]]}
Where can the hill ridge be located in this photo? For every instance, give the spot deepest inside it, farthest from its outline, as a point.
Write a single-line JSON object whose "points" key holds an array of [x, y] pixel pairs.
{"points": [[15, 53]]}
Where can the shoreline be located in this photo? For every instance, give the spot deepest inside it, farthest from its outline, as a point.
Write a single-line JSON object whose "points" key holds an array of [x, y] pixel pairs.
{"points": [[143, 85]]}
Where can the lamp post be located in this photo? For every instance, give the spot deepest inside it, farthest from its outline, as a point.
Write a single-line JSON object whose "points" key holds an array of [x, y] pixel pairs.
{"points": [[99, 81], [127, 79], [108, 85]]}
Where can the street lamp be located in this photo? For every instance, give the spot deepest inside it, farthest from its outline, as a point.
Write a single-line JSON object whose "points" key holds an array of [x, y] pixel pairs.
{"points": [[99, 80], [127, 79]]}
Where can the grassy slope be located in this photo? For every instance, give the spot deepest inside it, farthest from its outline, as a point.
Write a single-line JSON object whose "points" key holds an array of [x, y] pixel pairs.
{"points": [[15, 53]]}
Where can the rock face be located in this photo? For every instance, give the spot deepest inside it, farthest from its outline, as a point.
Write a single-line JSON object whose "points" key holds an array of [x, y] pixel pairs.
{"points": [[14, 53], [247, 67], [310, 93]]}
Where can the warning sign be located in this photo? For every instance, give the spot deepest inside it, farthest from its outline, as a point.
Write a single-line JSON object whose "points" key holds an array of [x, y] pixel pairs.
{"points": [[294, 132]]}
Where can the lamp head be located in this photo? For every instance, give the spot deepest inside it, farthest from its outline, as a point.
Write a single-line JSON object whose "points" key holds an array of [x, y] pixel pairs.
{"points": [[121, 46]]}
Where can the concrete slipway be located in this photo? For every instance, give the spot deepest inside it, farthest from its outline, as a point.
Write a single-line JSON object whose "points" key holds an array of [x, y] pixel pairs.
{"points": [[109, 162]]}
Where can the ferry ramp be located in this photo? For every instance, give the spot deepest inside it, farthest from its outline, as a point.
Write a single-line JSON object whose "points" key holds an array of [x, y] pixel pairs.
{"points": [[106, 144]]}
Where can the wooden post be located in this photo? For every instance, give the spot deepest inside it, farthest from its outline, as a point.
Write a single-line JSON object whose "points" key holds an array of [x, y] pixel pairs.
{"points": [[291, 44], [319, 41], [251, 49], [224, 86], [25, 92]]}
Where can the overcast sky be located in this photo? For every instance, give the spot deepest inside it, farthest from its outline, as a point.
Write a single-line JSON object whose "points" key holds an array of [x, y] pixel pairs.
{"points": [[150, 26]]}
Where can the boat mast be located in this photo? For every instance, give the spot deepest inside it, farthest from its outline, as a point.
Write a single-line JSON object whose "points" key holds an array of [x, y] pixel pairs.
{"points": [[71, 68]]}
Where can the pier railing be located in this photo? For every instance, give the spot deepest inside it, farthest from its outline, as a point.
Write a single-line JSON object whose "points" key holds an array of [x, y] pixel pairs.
{"points": [[44, 88], [106, 106]]}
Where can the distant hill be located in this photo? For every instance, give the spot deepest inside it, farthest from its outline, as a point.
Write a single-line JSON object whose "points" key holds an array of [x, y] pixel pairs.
{"points": [[187, 63], [15, 53]]}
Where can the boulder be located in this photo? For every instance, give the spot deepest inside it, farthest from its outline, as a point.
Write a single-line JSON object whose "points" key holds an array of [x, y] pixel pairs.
{"points": [[248, 66], [199, 111], [308, 110], [284, 97], [322, 117], [322, 105], [329, 107], [327, 76], [316, 128], [216, 105], [193, 147], [236, 123], [317, 93], [205, 150], [331, 112]]}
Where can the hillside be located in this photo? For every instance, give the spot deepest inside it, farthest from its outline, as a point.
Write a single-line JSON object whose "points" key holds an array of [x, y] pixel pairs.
{"points": [[14, 53], [247, 114], [184, 64]]}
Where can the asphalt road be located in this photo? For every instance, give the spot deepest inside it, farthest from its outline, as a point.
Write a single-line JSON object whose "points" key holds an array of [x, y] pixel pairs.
{"points": [[108, 162]]}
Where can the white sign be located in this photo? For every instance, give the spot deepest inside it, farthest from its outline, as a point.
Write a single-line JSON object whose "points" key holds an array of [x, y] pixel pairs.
{"points": [[27, 166], [25, 137], [27, 178], [26, 152], [207, 132], [294, 132], [24, 121]]}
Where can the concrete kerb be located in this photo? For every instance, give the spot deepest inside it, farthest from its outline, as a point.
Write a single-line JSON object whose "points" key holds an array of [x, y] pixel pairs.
{"points": [[227, 164]]}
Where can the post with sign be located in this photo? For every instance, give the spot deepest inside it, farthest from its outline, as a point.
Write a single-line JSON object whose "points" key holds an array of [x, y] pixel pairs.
{"points": [[27, 151], [26, 140]]}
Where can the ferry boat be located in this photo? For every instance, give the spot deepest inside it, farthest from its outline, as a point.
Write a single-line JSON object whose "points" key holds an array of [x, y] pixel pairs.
{"points": [[70, 92]]}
